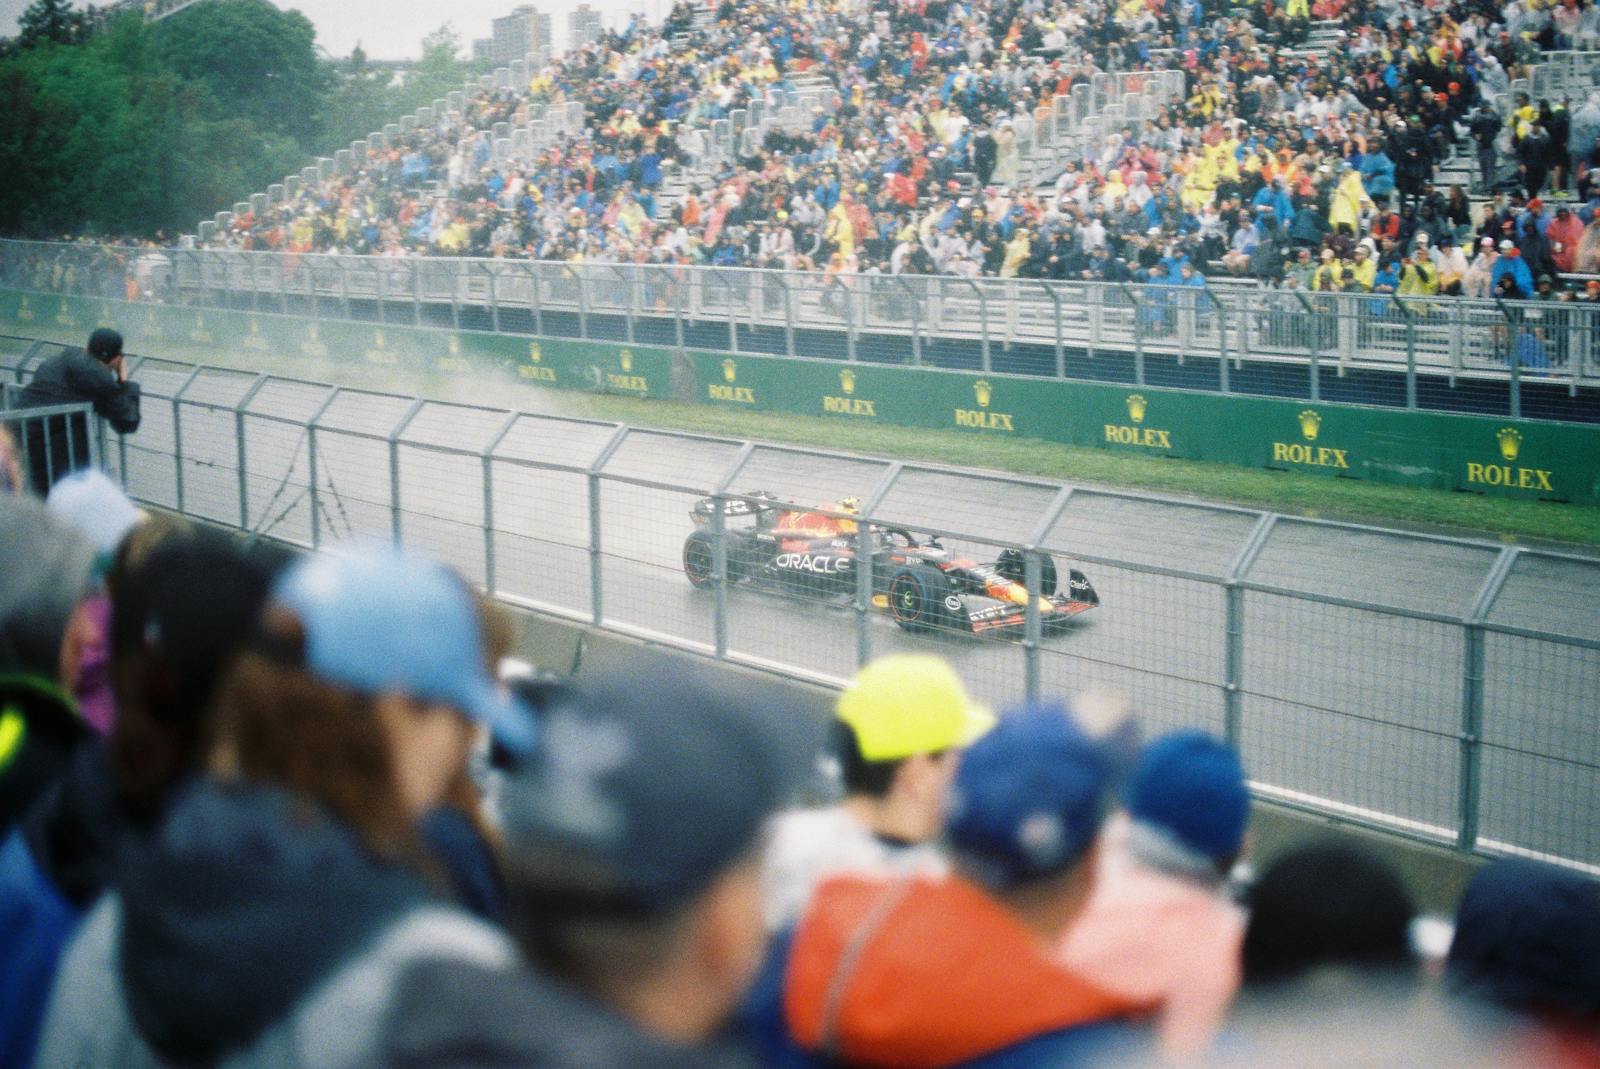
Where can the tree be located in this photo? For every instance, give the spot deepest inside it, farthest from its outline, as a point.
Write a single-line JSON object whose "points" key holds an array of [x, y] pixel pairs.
{"points": [[259, 63], [51, 21], [442, 47]]}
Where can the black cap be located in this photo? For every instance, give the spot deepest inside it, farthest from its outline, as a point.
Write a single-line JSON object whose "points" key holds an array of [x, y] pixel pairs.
{"points": [[648, 783], [105, 345]]}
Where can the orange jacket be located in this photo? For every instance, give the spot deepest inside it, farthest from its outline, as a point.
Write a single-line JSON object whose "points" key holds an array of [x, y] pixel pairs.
{"points": [[944, 976]]}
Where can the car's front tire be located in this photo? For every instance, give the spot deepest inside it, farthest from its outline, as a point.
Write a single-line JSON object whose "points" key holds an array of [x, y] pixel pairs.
{"points": [[917, 599]]}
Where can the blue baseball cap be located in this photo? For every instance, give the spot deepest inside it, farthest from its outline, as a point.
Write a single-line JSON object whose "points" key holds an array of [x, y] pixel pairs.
{"points": [[1029, 798], [377, 619], [1191, 786]]}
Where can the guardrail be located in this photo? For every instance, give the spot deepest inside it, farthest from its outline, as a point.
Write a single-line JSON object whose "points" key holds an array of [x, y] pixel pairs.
{"points": [[1439, 688], [1417, 352]]}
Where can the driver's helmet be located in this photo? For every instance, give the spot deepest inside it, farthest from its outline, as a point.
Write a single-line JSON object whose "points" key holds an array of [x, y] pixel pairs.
{"points": [[852, 506]]}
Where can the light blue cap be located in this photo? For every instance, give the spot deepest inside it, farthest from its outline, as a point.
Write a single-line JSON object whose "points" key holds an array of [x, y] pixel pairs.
{"points": [[378, 620]]}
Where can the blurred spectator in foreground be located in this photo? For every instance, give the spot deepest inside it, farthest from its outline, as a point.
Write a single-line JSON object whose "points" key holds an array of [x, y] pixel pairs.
{"points": [[1528, 942], [1160, 926], [179, 617], [44, 573], [263, 922], [102, 513], [900, 726], [11, 481], [1328, 910], [633, 882], [913, 970], [96, 375]]}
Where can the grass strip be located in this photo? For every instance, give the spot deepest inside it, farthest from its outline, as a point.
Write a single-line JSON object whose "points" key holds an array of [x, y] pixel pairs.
{"points": [[1277, 491]]}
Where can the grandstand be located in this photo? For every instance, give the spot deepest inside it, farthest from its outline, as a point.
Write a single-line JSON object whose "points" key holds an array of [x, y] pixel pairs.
{"points": [[903, 140]]}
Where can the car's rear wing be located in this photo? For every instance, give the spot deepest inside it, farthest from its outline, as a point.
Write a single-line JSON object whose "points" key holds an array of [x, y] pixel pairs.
{"points": [[757, 503]]}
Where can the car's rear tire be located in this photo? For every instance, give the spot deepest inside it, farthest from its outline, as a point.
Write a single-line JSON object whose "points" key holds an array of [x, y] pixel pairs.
{"points": [[1012, 565], [917, 599], [699, 559]]}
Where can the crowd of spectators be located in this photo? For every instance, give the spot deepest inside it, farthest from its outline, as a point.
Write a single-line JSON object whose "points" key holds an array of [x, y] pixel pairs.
{"points": [[914, 163], [259, 809]]}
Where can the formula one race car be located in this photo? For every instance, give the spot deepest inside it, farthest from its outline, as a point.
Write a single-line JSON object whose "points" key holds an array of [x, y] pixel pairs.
{"points": [[922, 585]]}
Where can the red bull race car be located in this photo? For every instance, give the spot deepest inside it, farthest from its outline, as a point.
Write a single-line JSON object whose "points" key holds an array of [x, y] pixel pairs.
{"points": [[916, 580]]}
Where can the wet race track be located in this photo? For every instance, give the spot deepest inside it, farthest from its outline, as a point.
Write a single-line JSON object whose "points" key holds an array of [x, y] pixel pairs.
{"points": [[1357, 707]]}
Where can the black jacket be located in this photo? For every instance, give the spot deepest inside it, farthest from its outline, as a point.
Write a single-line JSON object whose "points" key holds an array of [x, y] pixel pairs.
{"points": [[68, 378], [46, 730], [72, 376], [450, 1015]]}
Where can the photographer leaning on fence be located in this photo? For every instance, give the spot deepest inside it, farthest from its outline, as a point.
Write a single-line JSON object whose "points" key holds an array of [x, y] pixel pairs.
{"points": [[96, 375]]}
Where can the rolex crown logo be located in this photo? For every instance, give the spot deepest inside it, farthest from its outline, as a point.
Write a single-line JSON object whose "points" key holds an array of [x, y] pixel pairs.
{"points": [[1136, 407], [1310, 423], [255, 326], [730, 370], [455, 345], [377, 339], [535, 354], [1510, 440], [983, 391], [847, 381], [626, 359], [311, 332], [199, 322]]}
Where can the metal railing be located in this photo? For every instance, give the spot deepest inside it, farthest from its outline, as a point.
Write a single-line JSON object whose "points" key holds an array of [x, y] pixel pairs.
{"points": [[1417, 352], [51, 440], [1441, 688]]}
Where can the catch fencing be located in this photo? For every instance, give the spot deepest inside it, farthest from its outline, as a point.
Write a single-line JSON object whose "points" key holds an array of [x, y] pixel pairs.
{"points": [[1439, 688], [1522, 359]]}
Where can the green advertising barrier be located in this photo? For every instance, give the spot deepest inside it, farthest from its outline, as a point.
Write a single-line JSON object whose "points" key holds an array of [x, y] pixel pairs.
{"points": [[1521, 458], [155, 329], [1517, 458]]}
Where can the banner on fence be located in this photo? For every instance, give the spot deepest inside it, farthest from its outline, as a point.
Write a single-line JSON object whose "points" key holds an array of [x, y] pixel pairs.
{"points": [[1493, 455]]}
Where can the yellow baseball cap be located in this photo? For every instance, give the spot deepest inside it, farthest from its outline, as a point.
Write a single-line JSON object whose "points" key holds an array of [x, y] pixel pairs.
{"points": [[910, 703]]}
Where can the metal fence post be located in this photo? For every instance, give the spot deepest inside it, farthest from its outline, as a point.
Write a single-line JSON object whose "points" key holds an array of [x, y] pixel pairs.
{"points": [[983, 326], [1061, 346], [1033, 575], [1313, 347], [1222, 341], [535, 301], [596, 576], [866, 546], [394, 467], [177, 436], [311, 466], [1514, 323], [1138, 335], [1471, 735], [849, 322], [487, 455], [788, 313], [379, 283], [238, 442], [1411, 350], [719, 575], [583, 304], [1233, 669], [494, 297]]}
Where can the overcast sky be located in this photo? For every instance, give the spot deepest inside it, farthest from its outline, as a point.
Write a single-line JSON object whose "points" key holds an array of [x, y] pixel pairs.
{"points": [[393, 29]]}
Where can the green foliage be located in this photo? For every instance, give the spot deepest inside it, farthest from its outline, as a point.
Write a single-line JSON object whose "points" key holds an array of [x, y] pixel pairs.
{"points": [[50, 21], [143, 127]]}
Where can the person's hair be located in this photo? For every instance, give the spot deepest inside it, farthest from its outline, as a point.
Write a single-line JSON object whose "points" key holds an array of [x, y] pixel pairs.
{"points": [[859, 775], [1326, 904], [593, 952], [278, 723]]}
